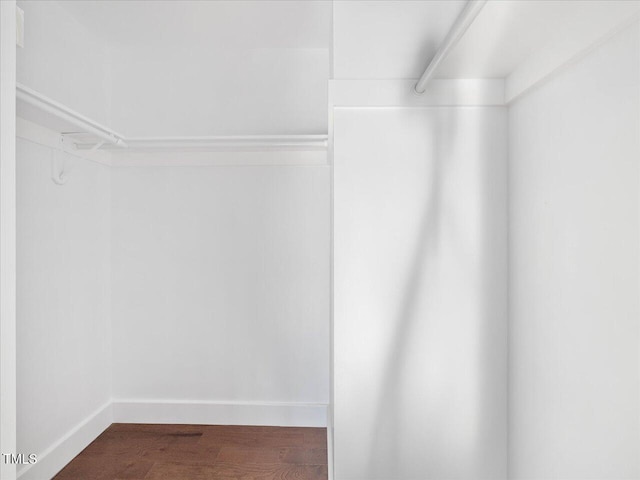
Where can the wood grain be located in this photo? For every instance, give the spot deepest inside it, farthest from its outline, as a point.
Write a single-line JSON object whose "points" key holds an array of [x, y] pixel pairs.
{"points": [[201, 452]]}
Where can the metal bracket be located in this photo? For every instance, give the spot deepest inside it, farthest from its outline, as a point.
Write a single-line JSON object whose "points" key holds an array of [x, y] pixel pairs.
{"points": [[58, 175]]}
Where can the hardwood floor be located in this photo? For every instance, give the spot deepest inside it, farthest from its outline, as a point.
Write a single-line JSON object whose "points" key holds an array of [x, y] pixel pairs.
{"points": [[201, 452]]}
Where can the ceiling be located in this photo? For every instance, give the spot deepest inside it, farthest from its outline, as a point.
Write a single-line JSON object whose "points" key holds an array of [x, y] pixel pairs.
{"points": [[240, 24], [389, 39], [506, 34], [175, 67], [395, 39], [381, 39]]}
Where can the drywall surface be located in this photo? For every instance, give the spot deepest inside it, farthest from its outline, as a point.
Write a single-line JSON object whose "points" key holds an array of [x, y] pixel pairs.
{"points": [[376, 39], [221, 284], [214, 68], [63, 344], [574, 152], [420, 325], [261, 91], [186, 77], [7, 236], [63, 60]]}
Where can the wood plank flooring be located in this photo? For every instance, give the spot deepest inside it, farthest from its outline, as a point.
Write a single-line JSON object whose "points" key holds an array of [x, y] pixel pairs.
{"points": [[201, 452]]}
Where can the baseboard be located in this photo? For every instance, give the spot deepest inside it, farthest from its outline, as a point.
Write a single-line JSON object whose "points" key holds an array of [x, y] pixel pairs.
{"points": [[220, 413], [330, 443], [54, 458]]}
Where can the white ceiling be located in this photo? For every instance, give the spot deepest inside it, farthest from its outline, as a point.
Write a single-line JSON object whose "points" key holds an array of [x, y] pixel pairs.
{"points": [[389, 39], [254, 67], [378, 39], [507, 34], [206, 24], [395, 39]]}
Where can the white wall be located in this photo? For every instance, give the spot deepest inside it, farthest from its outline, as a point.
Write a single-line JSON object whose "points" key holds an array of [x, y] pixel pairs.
{"points": [[64, 60], [269, 265], [63, 337], [574, 152], [7, 235], [214, 68], [221, 284], [198, 79], [64, 354], [213, 91], [420, 293]]}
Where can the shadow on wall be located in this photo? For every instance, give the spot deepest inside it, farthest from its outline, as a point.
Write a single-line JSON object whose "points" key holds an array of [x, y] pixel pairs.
{"points": [[386, 441], [434, 414]]}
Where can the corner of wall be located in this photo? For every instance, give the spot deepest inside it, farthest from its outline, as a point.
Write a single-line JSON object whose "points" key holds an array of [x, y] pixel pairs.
{"points": [[54, 458]]}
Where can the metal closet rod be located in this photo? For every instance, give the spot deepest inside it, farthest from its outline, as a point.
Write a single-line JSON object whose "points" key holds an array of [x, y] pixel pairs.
{"points": [[459, 28], [112, 140], [62, 112]]}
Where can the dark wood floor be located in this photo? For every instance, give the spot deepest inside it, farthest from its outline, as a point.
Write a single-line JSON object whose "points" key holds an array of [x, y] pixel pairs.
{"points": [[201, 452]]}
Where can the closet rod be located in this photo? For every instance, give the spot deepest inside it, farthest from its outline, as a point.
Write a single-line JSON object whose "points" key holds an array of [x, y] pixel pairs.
{"points": [[268, 142], [64, 113], [460, 26]]}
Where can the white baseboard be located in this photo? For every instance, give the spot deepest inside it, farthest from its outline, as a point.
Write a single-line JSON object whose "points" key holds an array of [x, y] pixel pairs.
{"points": [[54, 458], [330, 442], [220, 413]]}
